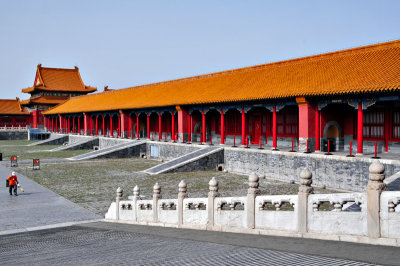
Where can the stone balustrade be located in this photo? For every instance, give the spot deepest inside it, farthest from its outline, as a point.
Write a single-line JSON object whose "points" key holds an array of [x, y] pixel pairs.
{"points": [[12, 128], [372, 217]]}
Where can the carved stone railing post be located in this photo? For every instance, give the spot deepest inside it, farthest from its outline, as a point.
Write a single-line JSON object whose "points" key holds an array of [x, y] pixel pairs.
{"points": [[374, 190], [136, 197], [213, 186], [181, 195], [305, 190], [252, 192], [117, 200], [156, 197]]}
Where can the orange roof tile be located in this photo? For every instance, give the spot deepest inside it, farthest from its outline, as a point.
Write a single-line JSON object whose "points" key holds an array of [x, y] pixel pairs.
{"points": [[365, 69], [58, 79], [11, 107], [45, 100]]}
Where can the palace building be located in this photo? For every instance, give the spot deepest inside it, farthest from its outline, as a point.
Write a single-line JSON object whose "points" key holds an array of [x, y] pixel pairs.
{"points": [[51, 87], [13, 115], [344, 98]]}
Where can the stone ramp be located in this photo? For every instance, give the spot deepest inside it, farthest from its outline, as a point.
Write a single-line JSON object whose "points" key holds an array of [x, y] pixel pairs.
{"points": [[393, 182], [87, 143], [55, 139], [36, 207], [123, 150], [203, 159]]}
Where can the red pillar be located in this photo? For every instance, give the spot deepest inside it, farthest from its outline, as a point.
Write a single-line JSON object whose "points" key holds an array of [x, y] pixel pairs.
{"points": [[159, 127], [137, 126], [148, 125], [45, 122], [130, 126], [203, 119], [307, 125], [97, 125], [73, 124], [85, 124], [104, 126], [274, 141], [360, 129], [61, 123], [65, 124], [123, 123], [79, 125], [111, 126], [190, 128], [94, 124], [317, 128], [69, 124], [173, 127], [183, 126], [119, 125], [222, 127], [243, 127], [34, 119]]}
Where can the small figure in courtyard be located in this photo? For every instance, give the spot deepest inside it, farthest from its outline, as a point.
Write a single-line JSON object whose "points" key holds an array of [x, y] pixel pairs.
{"points": [[13, 182]]}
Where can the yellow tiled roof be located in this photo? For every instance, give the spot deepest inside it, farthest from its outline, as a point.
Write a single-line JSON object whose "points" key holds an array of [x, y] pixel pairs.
{"points": [[45, 100], [360, 70], [11, 107], [59, 79]]}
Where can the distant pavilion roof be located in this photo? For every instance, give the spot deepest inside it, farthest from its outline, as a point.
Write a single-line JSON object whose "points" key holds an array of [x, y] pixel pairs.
{"points": [[58, 79], [11, 107], [372, 68]]}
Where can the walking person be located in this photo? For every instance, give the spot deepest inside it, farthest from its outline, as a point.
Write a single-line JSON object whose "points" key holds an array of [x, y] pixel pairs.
{"points": [[13, 182]]}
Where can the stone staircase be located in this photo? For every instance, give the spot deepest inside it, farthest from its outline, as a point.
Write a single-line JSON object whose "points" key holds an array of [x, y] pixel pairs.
{"points": [[204, 159], [123, 150], [86, 143]]}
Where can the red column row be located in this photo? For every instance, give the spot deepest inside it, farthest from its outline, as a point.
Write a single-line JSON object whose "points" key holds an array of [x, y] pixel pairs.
{"points": [[360, 129]]}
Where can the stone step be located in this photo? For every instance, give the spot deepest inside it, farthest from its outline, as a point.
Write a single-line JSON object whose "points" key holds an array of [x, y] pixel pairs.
{"points": [[183, 160]]}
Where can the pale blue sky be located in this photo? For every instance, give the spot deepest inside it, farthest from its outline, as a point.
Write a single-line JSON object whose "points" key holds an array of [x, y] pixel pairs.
{"points": [[127, 43]]}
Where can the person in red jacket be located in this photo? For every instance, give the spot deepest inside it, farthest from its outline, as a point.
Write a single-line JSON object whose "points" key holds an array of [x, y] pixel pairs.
{"points": [[13, 182]]}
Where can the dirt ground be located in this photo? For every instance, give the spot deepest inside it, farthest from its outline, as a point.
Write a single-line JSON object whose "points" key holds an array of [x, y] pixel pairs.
{"points": [[92, 184]]}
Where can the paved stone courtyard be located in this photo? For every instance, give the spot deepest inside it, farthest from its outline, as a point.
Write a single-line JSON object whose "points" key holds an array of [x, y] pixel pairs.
{"points": [[118, 244], [36, 207], [40, 227]]}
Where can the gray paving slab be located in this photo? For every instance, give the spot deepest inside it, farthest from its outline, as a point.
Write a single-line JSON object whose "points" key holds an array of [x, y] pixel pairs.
{"points": [[376, 254], [99, 244], [35, 207]]}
